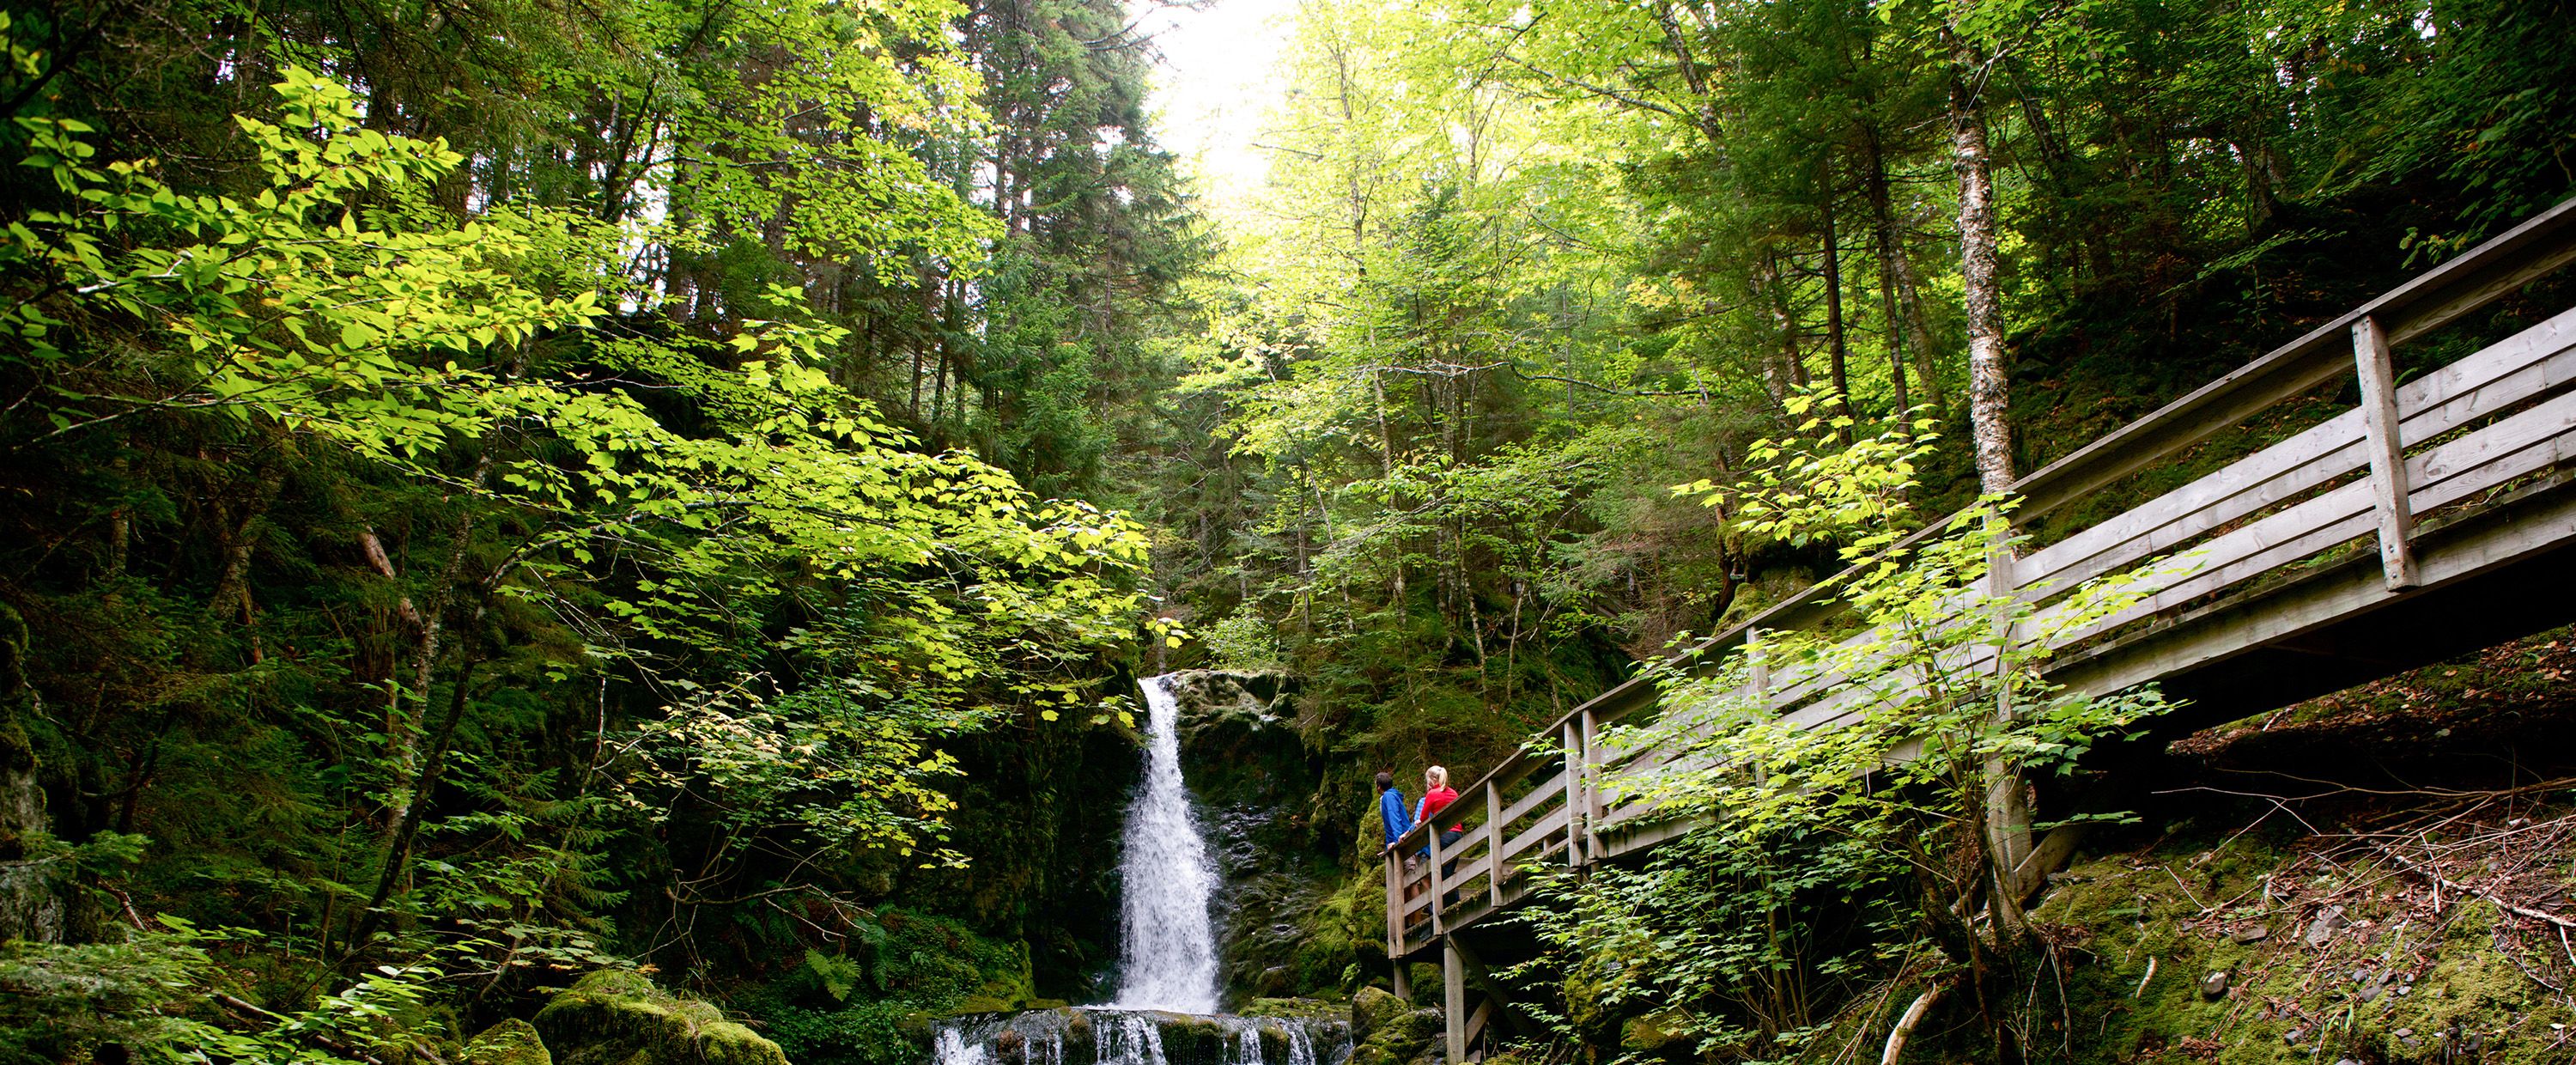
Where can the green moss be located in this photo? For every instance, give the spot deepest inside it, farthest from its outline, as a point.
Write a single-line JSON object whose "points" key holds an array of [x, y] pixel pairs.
{"points": [[2167, 907], [620, 1018], [1189, 1040], [511, 1042], [1313, 1009], [980, 1004], [1374, 1009], [1402, 1038]]}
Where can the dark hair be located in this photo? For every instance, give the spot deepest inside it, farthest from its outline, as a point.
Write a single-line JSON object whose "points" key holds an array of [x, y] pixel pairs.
{"points": [[1385, 780]]}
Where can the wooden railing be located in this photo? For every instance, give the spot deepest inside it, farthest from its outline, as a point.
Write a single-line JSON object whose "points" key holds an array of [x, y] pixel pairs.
{"points": [[2407, 458]]}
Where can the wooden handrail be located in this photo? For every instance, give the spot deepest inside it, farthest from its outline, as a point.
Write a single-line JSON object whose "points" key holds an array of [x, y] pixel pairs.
{"points": [[2284, 503], [2436, 298]]}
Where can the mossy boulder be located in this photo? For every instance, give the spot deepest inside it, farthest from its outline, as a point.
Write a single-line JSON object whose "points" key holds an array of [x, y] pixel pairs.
{"points": [[620, 1018], [974, 1004], [1193, 1040], [1304, 1009], [1408, 1036], [511, 1042], [1373, 1009]]}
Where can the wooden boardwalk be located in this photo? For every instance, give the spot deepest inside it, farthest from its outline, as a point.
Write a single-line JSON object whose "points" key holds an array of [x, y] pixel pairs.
{"points": [[2460, 477]]}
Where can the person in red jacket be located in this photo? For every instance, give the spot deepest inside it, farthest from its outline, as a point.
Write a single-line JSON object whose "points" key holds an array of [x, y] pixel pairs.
{"points": [[1436, 796]]}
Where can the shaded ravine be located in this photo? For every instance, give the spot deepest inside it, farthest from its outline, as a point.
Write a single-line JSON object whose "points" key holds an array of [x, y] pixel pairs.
{"points": [[1164, 1012]]}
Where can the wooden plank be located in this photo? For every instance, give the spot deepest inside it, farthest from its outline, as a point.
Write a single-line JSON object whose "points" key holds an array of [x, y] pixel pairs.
{"points": [[2225, 630], [2427, 302], [2491, 456], [1574, 757], [2537, 360], [1548, 792], [1395, 904], [2387, 455], [1591, 792], [2324, 521], [1549, 824], [2528, 442]]}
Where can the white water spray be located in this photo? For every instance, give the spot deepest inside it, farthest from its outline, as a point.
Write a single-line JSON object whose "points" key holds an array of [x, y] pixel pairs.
{"points": [[1167, 948]]}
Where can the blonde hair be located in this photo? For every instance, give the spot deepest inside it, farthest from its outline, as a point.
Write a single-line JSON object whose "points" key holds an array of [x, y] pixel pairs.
{"points": [[1437, 775]]}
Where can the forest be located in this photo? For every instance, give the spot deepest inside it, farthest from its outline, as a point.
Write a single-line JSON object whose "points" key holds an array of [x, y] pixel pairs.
{"points": [[673, 499]]}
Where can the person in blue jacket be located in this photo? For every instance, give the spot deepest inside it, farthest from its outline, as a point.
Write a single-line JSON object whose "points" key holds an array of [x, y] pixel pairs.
{"points": [[1391, 810]]}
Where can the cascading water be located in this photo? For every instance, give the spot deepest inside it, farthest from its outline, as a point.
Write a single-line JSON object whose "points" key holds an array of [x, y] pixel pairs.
{"points": [[1167, 955], [1093, 1035]]}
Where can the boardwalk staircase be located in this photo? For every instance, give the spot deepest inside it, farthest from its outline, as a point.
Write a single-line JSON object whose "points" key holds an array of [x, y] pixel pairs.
{"points": [[2432, 517]]}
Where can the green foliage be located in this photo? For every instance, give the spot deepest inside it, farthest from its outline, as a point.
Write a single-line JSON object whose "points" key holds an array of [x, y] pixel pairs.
{"points": [[1833, 857], [864, 1033], [160, 992], [527, 605]]}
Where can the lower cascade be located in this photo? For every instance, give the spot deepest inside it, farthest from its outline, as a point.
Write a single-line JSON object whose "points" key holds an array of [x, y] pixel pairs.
{"points": [[1165, 1009], [1100, 1035]]}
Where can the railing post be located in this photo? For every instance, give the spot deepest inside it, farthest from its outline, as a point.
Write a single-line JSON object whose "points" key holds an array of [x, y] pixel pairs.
{"points": [[1757, 662], [1494, 846], [2007, 811], [1593, 785], [1573, 798], [1395, 914], [2387, 452], [1431, 871]]}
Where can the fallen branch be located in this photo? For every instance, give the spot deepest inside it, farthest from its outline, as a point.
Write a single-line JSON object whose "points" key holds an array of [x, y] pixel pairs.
{"points": [[2439, 881], [1904, 1029]]}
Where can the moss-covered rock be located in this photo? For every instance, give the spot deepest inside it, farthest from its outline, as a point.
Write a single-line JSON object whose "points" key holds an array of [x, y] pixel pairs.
{"points": [[1307, 1009], [1407, 1036], [973, 1004], [1193, 1040], [620, 1018], [511, 1042], [1375, 1009]]}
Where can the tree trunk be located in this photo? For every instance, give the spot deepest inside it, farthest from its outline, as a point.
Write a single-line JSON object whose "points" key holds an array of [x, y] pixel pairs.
{"points": [[1780, 370], [398, 846], [2005, 820], [1989, 389], [1883, 243], [1837, 349]]}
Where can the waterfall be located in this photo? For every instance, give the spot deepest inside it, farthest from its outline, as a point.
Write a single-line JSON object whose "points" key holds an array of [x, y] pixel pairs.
{"points": [[1097, 1035], [1167, 941], [1167, 967]]}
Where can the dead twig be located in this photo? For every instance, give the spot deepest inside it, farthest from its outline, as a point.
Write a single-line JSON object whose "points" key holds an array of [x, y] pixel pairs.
{"points": [[2460, 888]]}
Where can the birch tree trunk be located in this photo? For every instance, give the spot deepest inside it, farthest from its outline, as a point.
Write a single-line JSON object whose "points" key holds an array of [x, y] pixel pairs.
{"points": [[2007, 812], [1989, 389]]}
